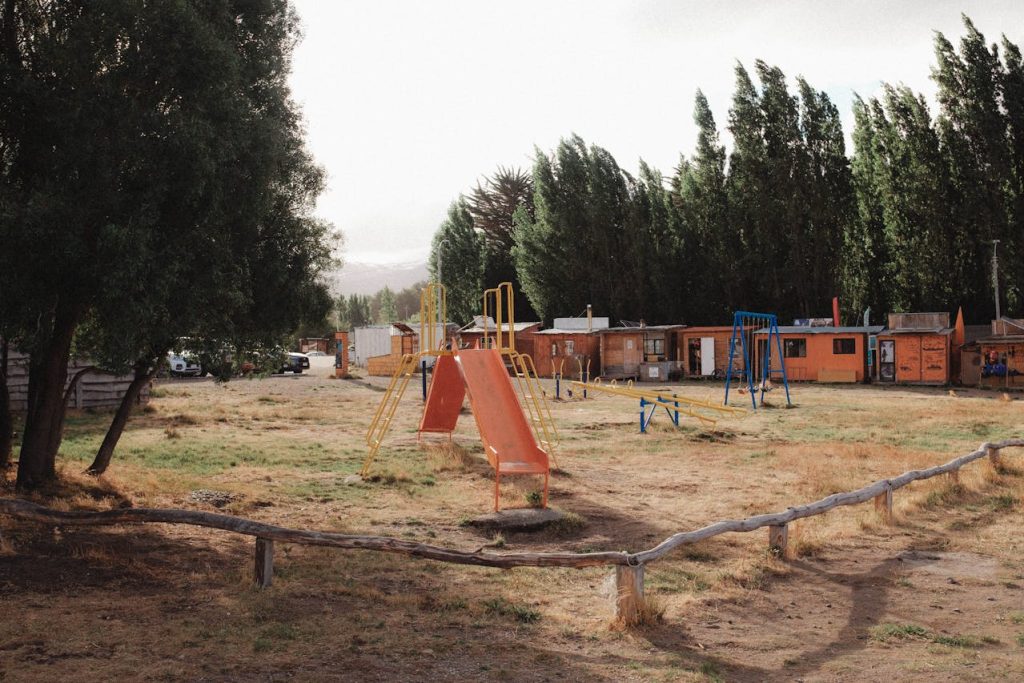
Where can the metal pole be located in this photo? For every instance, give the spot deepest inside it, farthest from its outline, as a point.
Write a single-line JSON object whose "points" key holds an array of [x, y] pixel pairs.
{"points": [[995, 275]]}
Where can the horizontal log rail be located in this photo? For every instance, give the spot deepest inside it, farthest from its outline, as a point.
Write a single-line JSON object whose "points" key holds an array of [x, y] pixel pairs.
{"points": [[23, 509], [629, 573]]}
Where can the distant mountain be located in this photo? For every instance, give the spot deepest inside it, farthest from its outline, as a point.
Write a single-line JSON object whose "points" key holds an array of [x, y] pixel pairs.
{"points": [[368, 278]]}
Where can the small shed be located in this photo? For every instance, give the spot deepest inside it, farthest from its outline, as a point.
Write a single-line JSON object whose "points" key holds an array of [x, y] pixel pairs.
{"points": [[916, 349], [823, 354], [321, 344], [472, 337], [570, 345], [648, 353], [368, 341], [1002, 354], [968, 370], [704, 351]]}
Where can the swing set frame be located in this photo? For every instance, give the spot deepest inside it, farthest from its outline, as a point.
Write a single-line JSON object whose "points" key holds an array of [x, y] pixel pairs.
{"points": [[741, 321]]}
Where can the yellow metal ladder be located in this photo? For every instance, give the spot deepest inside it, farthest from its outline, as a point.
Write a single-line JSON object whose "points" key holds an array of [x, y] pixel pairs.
{"points": [[381, 421]]}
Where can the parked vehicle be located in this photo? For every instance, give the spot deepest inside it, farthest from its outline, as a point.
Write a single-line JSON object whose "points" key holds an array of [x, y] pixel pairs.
{"points": [[184, 366], [295, 362], [316, 354]]}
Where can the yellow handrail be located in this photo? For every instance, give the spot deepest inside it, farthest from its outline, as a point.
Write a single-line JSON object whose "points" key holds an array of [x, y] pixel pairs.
{"points": [[536, 404]]}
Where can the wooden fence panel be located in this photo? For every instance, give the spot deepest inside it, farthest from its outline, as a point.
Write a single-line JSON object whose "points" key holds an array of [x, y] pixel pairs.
{"points": [[96, 389]]}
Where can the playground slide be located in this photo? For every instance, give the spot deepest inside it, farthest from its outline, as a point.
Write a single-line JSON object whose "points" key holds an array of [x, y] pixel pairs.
{"points": [[444, 399], [507, 436]]}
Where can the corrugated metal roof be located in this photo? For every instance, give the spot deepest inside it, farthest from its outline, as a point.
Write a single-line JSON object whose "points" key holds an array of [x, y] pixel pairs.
{"points": [[1002, 339], [517, 327], [575, 324], [555, 330], [804, 329], [921, 330], [655, 328]]}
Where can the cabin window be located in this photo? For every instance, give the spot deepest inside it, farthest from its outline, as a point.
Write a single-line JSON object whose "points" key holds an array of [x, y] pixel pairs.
{"points": [[844, 347], [654, 347], [794, 348], [570, 347], [554, 349]]}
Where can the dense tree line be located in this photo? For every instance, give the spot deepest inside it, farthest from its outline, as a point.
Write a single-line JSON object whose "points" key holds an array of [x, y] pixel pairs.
{"points": [[783, 220]]}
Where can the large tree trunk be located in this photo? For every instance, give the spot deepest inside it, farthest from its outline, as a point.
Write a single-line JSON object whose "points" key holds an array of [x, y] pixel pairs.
{"points": [[44, 422], [6, 421], [144, 371]]}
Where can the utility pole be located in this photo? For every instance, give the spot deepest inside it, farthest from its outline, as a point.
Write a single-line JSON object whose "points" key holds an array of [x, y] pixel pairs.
{"points": [[995, 275]]}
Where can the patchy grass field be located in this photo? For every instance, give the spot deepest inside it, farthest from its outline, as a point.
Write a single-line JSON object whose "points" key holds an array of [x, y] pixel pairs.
{"points": [[939, 596]]}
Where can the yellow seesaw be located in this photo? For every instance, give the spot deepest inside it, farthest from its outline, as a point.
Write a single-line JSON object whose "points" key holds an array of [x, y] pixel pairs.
{"points": [[673, 404]]}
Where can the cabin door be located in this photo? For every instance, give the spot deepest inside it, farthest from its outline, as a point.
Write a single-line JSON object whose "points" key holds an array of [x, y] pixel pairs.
{"points": [[707, 356], [887, 360]]}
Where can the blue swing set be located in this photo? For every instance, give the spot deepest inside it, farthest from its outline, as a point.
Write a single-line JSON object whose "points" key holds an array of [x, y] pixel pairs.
{"points": [[744, 326]]}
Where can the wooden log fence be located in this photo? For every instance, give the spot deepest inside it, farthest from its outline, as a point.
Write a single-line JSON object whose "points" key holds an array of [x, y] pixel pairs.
{"points": [[629, 567]]}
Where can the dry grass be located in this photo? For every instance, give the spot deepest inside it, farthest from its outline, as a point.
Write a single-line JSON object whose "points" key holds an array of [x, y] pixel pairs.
{"points": [[284, 449]]}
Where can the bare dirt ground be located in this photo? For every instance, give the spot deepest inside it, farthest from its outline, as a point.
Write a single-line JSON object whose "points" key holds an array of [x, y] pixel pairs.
{"points": [[937, 596]]}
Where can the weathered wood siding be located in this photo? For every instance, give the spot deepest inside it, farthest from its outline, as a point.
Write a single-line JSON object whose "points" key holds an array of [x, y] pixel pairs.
{"points": [[96, 389]]}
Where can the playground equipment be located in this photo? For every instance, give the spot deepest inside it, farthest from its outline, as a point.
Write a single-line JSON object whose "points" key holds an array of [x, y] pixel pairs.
{"points": [[652, 399], [515, 443], [756, 345], [583, 374]]}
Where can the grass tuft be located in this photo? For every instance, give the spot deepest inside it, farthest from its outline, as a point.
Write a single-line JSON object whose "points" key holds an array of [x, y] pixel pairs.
{"points": [[883, 633], [521, 613]]}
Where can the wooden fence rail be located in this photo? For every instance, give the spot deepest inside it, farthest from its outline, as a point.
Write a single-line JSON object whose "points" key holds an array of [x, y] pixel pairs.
{"points": [[629, 574]]}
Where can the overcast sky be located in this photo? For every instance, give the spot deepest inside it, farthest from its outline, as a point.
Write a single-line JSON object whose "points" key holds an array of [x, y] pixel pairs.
{"points": [[409, 103]]}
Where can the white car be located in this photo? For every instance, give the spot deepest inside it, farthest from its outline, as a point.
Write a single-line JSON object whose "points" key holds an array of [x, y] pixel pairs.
{"points": [[181, 366]]}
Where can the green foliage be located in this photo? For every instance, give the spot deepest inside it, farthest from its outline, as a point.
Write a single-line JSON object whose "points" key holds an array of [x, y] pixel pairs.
{"points": [[493, 204], [595, 236], [456, 262], [386, 311], [154, 185], [353, 311], [785, 220]]}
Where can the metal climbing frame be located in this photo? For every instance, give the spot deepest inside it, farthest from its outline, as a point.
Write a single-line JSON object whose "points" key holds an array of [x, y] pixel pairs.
{"points": [[433, 317], [744, 325]]}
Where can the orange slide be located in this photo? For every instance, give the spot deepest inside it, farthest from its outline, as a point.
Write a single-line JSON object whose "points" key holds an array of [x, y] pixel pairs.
{"points": [[444, 398], [507, 436]]}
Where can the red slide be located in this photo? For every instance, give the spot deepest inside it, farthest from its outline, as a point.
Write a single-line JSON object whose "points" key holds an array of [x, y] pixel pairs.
{"points": [[507, 436]]}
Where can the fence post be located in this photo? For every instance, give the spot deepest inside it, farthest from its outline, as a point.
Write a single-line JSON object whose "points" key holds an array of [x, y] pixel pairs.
{"points": [[629, 593], [993, 456], [954, 476], [778, 539], [883, 506], [264, 562]]}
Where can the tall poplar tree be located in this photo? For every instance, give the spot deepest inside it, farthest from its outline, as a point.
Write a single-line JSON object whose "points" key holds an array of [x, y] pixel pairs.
{"points": [[456, 261], [710, 243]]}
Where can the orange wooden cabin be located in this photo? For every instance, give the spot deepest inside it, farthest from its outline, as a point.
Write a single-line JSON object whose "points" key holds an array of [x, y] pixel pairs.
{"points": [[569, 346], [825, 354], [916, 349]]}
